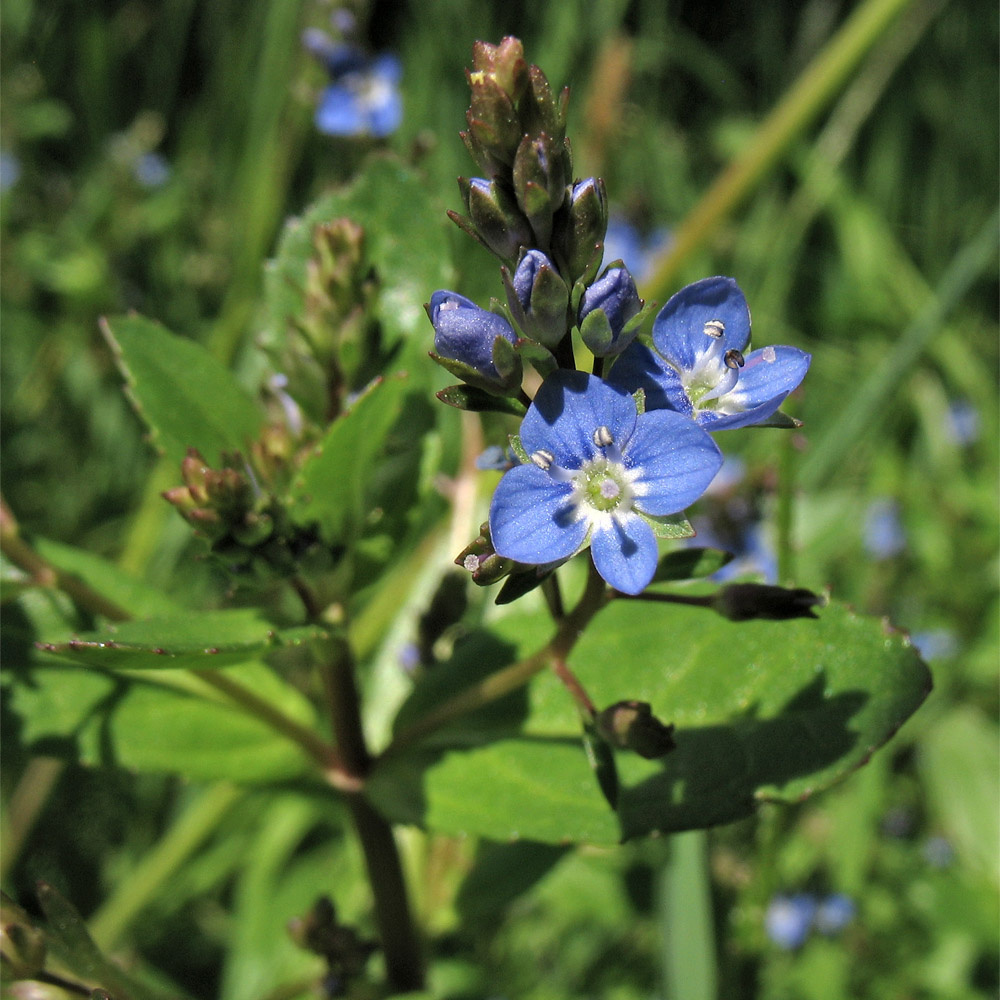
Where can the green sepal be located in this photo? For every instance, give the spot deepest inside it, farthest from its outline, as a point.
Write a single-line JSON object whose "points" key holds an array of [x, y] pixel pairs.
{"points": [[640, 401], [469, 374], [506, 361], [541, 358], [690, 564], [779, 419], [596, 332], [518, 449], [520, 582], [475, 400], [669, 526]]}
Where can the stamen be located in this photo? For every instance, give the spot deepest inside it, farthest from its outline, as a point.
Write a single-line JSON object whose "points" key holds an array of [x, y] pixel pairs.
{"points": [[602, 437], [546, 461], [733, 359], [714, 328]]}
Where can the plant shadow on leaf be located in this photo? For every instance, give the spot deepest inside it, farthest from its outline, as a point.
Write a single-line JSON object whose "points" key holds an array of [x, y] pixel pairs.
{"points": [[718, 774]]}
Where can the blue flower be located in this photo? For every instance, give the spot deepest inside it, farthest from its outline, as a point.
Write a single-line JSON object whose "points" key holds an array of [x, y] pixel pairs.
{"points": [[789, 919], [834, 913], [599, 472], [605, 310], [698, 367], [465, 333], [883, 533], [363, 96], [638, 251]]}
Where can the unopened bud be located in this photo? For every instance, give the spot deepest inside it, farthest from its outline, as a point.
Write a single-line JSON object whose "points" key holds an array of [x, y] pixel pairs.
{"points": [[631, 725], [740, 602]]}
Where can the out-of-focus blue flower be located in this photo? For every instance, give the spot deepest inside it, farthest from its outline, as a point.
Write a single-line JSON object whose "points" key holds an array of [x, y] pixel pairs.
{"points": [[789, 919], [466, 333], [151, 170], [834, 913], [10, 170], [698, 367], [496, 459], [363, 97], [605, 310], [935, 644], [598, 469], [638, 251], [883, 533], [963, 422]]}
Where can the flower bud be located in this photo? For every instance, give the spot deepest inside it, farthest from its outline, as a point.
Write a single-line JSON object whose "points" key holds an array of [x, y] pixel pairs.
{"points": [[481, 560], [539, 182], [496, 218], [475, 339], [631, 725], [497, 80], [580, 227], [740, 602], [605, 311], [537, 297]]}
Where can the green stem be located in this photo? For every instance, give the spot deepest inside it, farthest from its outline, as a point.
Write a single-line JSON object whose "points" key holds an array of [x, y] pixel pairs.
{"points": [[400, 943], [26, 803], [806, 98], [595, 596], [133, 892]]}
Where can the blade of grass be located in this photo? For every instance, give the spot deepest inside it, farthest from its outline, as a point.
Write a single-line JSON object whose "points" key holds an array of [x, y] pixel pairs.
{"points": [[800, 105], [875, 392]]}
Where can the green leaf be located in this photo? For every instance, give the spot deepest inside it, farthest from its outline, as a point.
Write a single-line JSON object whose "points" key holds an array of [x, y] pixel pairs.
{"points": [[186, 397], [690, 564], [69, 939], [131, 595], [101, 720], [187, 639], [672, 526], [336, 481], [406, 241], [764, 711]]}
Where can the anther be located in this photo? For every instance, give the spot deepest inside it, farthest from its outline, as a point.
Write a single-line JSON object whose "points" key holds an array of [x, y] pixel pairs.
{"points": [[603, 438], [733, 359], [714, 328], [543, 459]]}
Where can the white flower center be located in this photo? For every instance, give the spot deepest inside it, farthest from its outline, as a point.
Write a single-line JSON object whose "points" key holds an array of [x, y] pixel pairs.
{"points": [[712, 380], [602, 485]]}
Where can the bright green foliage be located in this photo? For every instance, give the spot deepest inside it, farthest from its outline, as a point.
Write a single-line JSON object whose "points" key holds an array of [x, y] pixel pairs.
{"points": [[765, 711], [183, 395]]}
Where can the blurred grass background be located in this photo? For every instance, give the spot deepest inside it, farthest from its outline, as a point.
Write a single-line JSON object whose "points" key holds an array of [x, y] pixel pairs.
{"points": [[150, 154]]}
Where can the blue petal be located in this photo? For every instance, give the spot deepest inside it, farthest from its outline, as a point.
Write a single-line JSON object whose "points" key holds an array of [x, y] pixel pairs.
{"points": [[339, 112], [640, 368], [679, 328], [530, 518], [761, 389], [677, 458], [566, 411], [625, 554]]}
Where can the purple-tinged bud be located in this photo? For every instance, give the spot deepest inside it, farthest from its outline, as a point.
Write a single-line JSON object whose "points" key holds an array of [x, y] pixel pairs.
{"points": [[482, 561], [606, 310], [537, 297], [540, 182], [496, 218], [503, 64], [468, 335], [580, 227], [631, 725], [740, 602]]}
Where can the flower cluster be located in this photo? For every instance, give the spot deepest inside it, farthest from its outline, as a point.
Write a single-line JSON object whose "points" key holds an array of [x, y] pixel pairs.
{"points": [[611, 459]]}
